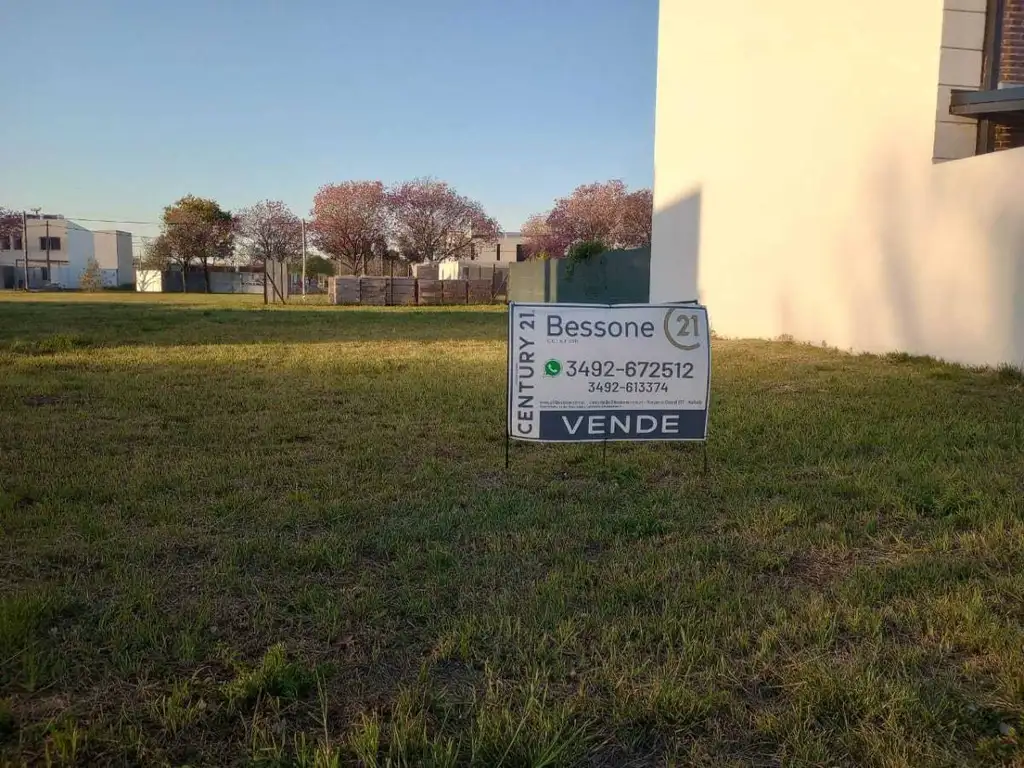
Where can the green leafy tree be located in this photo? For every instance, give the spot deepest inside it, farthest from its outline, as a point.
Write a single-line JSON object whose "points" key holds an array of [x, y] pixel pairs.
{"points": [[316, 266], [197, 230]]}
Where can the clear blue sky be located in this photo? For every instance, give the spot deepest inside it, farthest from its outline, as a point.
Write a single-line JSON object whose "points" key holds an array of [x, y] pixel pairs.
{"points": [[115, 108]]}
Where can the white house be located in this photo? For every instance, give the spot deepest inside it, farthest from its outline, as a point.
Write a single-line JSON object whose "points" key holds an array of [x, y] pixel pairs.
{"points": [[507, 248], [114, 256], [847, 172], [59, 251]]}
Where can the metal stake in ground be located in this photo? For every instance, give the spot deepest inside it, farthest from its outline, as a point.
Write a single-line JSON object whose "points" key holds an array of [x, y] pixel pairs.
{"points": [[508, 384]]}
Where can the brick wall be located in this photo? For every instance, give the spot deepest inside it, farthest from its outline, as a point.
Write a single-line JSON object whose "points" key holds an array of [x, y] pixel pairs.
{"points": [[1011, 68]]}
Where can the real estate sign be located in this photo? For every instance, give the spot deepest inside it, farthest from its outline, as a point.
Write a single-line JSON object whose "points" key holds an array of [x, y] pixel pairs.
{"points": [[580, 372]]}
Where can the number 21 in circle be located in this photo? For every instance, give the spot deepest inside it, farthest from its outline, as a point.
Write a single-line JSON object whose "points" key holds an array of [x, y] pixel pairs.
{"points": [[681, 325]]}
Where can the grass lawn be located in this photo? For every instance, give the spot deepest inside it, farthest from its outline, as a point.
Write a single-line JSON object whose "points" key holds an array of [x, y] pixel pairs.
{"points": [[234, 535]]}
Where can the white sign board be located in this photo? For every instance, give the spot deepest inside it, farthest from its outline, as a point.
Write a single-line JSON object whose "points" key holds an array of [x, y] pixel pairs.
{"points": [[580, 372]]}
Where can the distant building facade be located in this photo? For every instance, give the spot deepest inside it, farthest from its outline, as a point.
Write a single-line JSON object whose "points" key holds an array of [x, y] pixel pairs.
{"points": [[510, 247], [59, 251]]}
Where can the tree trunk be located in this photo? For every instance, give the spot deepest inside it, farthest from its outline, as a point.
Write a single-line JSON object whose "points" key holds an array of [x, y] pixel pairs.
{"points": [[206, 275]]}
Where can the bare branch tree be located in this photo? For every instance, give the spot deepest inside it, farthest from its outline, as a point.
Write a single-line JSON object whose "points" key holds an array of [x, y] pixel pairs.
{"points": [[157, 254], [268, 230]]}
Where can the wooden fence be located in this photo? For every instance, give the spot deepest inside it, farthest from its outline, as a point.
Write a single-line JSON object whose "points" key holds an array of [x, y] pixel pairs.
{"points": [[408, 291]]}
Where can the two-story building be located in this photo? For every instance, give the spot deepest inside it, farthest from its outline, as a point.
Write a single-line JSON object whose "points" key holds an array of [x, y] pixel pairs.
{"points": [[507, 248], [846, 172], [59, 250]]}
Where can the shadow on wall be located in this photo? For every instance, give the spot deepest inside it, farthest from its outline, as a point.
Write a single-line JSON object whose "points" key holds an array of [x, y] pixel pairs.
{"points": [[916, 258], [950, 247], [675, 256]]}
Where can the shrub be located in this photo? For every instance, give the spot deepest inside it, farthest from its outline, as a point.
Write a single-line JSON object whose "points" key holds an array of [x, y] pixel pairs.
{"points": [[92, 279], [582, 252], [586, 250]]}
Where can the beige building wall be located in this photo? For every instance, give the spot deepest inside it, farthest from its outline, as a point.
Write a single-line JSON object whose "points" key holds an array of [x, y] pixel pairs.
{"points": [[37, 230], [114, 253], [489, 252], [796, 191]]}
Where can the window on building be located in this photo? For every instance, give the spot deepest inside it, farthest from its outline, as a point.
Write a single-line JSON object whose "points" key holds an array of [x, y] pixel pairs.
{"points": [[497, 251], [19, 244], [5, 243], [53, 244]]}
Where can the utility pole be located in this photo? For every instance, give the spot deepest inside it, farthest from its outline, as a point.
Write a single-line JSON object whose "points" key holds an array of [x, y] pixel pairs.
{"points": [[24, 242], [48, 278], [303, 223]]}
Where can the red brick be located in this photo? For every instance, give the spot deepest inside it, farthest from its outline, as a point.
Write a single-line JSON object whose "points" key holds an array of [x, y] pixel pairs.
{"points": [[1011, 69]]}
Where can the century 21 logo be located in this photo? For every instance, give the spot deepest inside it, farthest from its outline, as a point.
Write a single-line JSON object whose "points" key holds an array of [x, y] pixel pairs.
{"points": [[682, 329]]}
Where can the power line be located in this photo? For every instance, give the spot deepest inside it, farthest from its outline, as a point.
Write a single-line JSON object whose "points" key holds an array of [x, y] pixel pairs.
{"points": [[123, 221], [120, 221]]}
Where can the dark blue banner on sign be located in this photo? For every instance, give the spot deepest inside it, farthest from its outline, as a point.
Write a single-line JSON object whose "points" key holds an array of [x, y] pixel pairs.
{"points": [[566, 426]]}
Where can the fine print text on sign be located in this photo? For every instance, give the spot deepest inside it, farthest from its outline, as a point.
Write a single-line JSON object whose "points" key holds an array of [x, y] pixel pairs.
{"points": [[593, 372]]}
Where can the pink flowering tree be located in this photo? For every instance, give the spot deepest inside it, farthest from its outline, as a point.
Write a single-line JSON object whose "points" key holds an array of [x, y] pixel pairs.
{"points": [[636, 219], [10, 222], [541, 241], [591, 212], [432, 221], [351, 222], [599, 212]]}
